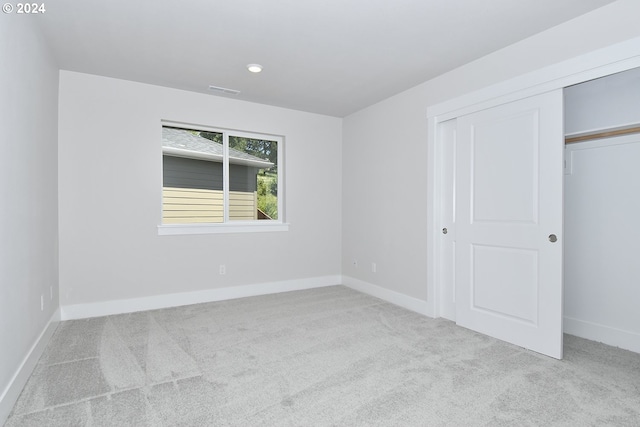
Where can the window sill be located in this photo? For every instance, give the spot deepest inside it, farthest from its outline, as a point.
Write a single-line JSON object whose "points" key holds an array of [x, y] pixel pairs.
{"points": [[178, 229]]}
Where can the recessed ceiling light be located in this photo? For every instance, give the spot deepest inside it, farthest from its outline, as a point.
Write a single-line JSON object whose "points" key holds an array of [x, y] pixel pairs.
{"points": [[254, 68]]}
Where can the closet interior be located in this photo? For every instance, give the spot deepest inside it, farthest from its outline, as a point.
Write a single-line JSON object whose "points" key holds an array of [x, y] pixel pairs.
{"points": [[602, 210]]}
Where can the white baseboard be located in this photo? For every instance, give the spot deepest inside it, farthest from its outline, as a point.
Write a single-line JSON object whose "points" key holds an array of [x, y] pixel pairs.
{"points": [[410, 303], [12, 391], [627, 340], [106, 308]]}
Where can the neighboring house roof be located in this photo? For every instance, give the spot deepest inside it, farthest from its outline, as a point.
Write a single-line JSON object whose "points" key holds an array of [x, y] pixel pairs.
{"points": [[184, 143]]}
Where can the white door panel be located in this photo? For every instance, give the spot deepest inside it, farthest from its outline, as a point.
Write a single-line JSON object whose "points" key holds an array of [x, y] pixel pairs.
{"points": [[494, 157], [493, 285], [509, 177]]}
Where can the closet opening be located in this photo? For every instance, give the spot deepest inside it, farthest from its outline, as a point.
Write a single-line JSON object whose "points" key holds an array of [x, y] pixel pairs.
{"points": [[602, 210]]}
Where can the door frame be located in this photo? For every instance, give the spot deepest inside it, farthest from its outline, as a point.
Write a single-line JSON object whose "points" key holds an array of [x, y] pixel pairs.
{"points": [[602, 62]]}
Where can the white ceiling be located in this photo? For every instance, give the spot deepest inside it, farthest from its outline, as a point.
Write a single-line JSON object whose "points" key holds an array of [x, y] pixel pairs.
{"points": [[331, 57]]}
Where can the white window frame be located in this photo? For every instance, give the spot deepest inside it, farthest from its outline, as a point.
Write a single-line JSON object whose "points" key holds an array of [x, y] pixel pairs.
{"points": [[231, 226]]}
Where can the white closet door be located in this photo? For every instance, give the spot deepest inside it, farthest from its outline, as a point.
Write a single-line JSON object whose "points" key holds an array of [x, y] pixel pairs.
{"points": [[447, 230], [509, 180]]}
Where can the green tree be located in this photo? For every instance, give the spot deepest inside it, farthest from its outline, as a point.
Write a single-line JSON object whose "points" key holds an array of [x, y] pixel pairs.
{"points": [[261, 148], [212, 136]]}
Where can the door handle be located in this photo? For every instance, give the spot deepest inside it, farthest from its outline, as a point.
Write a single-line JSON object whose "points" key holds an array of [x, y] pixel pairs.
{"points": [[445, 231], [553, 238]]}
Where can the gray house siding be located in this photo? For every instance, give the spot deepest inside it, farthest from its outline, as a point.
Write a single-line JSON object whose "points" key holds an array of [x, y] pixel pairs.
{"points": [[243, 178], [180, 172]]}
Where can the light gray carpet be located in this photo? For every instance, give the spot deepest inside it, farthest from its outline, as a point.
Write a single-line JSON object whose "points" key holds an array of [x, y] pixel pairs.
{"points": [[328, 356]]}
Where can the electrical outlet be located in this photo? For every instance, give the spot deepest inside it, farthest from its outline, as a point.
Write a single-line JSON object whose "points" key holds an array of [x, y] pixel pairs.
{"points": [[42, 302], [223, 269], [374, 267]]}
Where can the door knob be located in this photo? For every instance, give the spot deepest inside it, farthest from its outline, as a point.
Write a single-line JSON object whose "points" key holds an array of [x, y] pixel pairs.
{"points": [[445, 231], [553, 238]]}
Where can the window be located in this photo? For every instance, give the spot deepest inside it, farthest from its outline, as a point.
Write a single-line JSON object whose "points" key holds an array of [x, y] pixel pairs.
{"points": [[220, 177]]}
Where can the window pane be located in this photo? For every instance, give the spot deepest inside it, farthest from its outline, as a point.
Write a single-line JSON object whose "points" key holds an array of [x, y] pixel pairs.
{"points": [[192, 176], [253, 179]]}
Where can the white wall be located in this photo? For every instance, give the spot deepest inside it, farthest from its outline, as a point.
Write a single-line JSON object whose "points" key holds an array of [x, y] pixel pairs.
{"points": [[385, 149], [602, 236], [28, 193], [110, 195]]}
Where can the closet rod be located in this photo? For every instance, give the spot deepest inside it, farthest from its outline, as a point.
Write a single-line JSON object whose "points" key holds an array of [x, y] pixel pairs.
{"points": [[603, 134]]}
